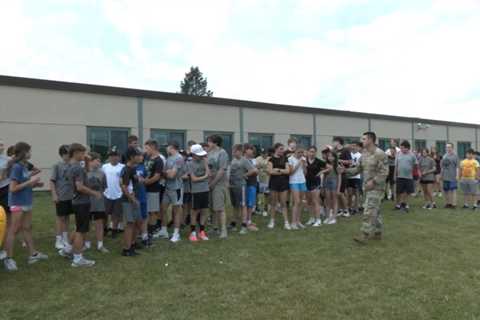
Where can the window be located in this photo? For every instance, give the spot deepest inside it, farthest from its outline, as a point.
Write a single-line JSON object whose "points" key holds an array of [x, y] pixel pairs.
{"points": [[441, 147], [101, 139], [261, 140], [384, 143], [349, 140], [302, 140], [163, 137], [420, 144], [462, 148], [227, 140]]}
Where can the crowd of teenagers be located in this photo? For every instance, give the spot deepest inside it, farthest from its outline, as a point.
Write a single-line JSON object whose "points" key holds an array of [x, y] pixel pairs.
{"points": [[130, 194]]}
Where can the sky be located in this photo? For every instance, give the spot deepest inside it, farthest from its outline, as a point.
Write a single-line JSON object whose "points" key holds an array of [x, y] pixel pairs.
{"points": [[414, 58]]}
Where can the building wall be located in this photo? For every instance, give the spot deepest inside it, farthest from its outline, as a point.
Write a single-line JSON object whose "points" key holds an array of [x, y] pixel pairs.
{"points": [[49, 118]]}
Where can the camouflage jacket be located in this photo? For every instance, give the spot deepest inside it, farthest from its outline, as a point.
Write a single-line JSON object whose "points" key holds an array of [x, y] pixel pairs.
{"points": [[373, 166]]}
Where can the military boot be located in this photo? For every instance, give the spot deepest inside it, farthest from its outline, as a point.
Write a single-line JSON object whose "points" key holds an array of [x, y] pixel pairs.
{"points": [[361, 238]]}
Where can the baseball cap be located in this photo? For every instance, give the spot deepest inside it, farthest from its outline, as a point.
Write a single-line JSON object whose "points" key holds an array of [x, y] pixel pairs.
{"points": [[197, 150], [113, 151]]}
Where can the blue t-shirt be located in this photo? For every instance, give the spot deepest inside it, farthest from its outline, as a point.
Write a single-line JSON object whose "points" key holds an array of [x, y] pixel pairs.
{"points": [[24, 197], [142, 190]]}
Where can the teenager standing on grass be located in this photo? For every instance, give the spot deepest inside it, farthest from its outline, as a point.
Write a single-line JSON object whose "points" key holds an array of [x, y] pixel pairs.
{"points": [[130, 182], [392, 157], [61, 188], [113, 193], [405, 164], [240, 170], [218, 163], [81, 205], [314, 166], [469, 175], [437, 188], [297, 165], [345, 159], [374, 167], [354, 183], [4, 183], [428, 167], [199, 174], [173, 172], [332, 179], [279, 184], [251, 187], [20, 201], [449, 165], [96, 181], [154, 165], [262, 166]]}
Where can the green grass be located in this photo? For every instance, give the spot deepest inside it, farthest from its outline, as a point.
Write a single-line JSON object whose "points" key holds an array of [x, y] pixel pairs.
{"points": [[427, 267]]}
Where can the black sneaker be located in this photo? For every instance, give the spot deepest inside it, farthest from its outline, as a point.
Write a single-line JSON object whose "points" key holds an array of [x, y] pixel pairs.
{"points": [[127, 252], [114, 233], [137, 246], [147, 243], [398, 207], [465, 206], [134, 252]]}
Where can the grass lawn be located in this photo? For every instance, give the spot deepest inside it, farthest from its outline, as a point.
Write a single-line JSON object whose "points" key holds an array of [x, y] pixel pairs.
{"points": [[427, 267]]}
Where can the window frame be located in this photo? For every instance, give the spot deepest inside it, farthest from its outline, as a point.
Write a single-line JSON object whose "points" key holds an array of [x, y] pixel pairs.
{"points": [[109, 130], [261, 134], [162, 148], [207, 133], [298, 137]]}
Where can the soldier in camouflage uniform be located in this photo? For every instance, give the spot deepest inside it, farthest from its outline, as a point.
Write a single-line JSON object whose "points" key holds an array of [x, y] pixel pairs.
{"points": [[374, 166]]}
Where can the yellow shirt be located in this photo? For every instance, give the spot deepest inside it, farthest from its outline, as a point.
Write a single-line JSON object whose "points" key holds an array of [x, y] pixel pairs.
{"points": [[469, 168]]}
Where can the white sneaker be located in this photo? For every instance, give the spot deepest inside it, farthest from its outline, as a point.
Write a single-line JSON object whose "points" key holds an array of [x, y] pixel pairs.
{"points": [[223, 234], [37, 257], [10, 265], [440, 195], [346, 214], [300, 225], [87, 245], [317, 223], [293, 226], [243, 230], [102, 249], [332, 220], [82, 262], [175, 238], [271, 224], [3, 254], [287, 226], [310, 222], [265, 213], [163, 234], [59, 244]]}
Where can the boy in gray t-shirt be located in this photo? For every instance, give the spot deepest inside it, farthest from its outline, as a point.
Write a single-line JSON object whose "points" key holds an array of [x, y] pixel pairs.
{"points": [[449, 165], [61, 188], [405, 164], [199, 174], [96, 180]]}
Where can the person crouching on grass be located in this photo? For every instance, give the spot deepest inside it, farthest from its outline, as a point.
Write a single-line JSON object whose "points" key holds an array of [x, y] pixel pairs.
{"points": [[20, 198], [240, 170], [97, 182], [81, 205], [130, 182]]}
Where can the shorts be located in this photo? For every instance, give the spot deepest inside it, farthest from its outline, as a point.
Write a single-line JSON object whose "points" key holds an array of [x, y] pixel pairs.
{"points": [[238, 196], [331, 184], [82, 217], [405, 186], [187, 198], [131, 213], [355, 184], [20, 209], [98, 215], [426, 182], [4, 199], [153, 201], [343, 184], [449, 186], [315, 184], [218, 196], [64, 208], [279, 184], [469, 187], [263, 187], [113, 207], [200, 200], [251, 196], [173, 197], [299, 187]]}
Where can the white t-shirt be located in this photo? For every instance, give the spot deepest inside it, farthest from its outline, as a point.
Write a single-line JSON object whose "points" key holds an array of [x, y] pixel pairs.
{"points": [[112, 175], [355, 161], [389, 152], [298, 176]]}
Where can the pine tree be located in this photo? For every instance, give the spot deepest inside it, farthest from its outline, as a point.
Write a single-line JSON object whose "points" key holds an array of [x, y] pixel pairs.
{"points": [[194, 84]]}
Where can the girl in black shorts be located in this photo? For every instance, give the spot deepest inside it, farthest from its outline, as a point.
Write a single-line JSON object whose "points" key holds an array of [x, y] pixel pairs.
{"points": [[314, 167], [279, 179]]}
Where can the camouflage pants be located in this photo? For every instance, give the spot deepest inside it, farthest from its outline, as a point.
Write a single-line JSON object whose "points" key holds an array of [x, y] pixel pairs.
{"points": [[372, 221]]}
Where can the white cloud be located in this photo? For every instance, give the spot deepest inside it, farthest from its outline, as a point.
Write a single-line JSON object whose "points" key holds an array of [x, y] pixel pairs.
{"points": [[417, 62]]}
